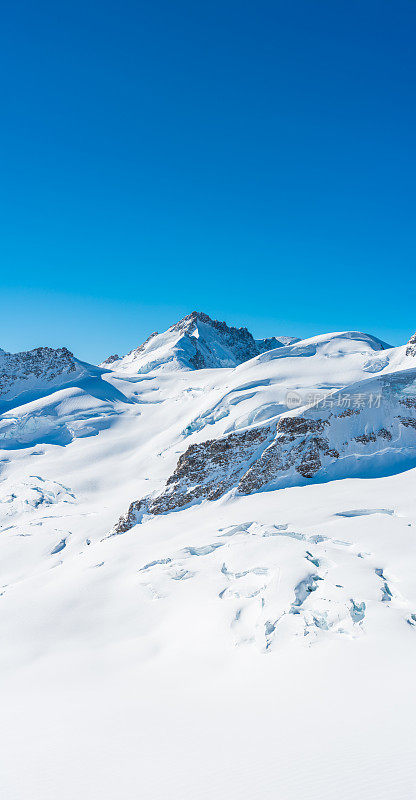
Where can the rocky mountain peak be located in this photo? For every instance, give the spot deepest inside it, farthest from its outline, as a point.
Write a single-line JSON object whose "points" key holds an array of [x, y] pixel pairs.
{"points": [[195, 342], [31, 367], [111, 360], [237, 344], [190, 322], [411, 346]]}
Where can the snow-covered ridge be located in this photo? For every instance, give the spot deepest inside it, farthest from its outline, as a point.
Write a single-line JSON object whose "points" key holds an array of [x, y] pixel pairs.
{"points": [[195, 342], [31, 369]]}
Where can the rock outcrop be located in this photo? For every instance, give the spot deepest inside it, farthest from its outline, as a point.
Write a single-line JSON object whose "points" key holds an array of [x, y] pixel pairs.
{"points": [[110, 360], [210, 469], [297, 444], [205, 470], [411, 346], [43, 364]]}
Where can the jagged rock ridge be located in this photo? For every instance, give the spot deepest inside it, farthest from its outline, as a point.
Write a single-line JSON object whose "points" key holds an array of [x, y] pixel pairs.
{"points": [[34, 367], [411, 346]]}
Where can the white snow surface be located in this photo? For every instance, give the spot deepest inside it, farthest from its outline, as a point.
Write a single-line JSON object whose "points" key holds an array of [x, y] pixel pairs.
{"points": [[258, 646]]}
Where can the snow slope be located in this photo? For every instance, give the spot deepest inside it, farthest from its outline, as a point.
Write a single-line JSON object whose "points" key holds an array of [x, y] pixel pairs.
{"points": [[49, 396], [260, 644]]}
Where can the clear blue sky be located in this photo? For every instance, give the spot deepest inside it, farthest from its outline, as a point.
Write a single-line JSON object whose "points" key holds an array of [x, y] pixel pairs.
{"points": [[255, 160]]}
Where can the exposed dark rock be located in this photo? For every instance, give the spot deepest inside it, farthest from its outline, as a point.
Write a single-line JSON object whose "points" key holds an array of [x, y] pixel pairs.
{"points": [[238, 340], [130, 519], [409, 402], [408, 422], [211, 468], [366, 438], [205, 470], [263, 345], [43, 363], [348, 412], [111, 359], [197, 361], [332, 453], [300, 426], [293, 446], [411, 346], [385, 434], [142, 346], [310, 462]]}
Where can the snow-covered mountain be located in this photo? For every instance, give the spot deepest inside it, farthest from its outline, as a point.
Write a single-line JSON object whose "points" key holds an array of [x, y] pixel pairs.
{"points": [[36, 369], [207, 559], [49, 396], [195, 342]]}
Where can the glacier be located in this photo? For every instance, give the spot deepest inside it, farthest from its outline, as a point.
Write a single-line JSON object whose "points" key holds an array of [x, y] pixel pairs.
{"points": [[207, 559]]}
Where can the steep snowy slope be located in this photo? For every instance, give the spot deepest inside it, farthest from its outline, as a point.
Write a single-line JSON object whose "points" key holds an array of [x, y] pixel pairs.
{"points": [[196, 342], [260, 644]]}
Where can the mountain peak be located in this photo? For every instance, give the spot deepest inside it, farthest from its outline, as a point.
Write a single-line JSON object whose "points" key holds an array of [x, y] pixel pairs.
{"points": [[32, 368], [199, 316], [194, 342]]}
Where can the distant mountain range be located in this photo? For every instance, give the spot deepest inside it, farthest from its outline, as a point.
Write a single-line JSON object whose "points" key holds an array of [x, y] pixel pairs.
{"points": [[279, 411]]}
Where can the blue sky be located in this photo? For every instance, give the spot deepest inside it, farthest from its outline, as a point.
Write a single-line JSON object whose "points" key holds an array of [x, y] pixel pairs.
{"points": [[255, 160]]}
